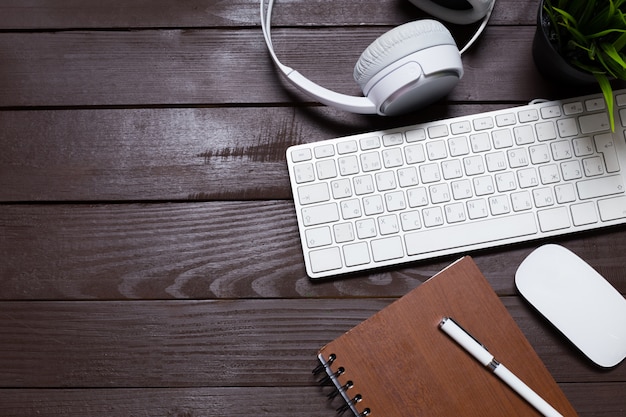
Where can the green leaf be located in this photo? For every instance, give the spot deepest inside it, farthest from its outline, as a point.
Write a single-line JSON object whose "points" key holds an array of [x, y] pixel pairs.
{"points": [[607, 91]]}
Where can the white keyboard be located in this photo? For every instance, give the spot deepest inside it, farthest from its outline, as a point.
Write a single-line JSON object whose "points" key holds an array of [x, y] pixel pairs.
{"points": [[389, 197]]}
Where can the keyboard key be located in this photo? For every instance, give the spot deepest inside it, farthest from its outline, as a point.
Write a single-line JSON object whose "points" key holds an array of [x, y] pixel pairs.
{"points": [[429, 173], [458, 146], [606, 146], [595, 104], [387, 249], [592, 123], [553, 219], [371, 162], [373, 205], [314, 193], [415, 135], [480, 142], [417, 197], [300, 155], [599, 187], [433, 216], [415, 154], [524, 135], [350, 209], [393, 139], [395, 201], [543, 197], [612, 208], [584, 213], [483, 123], [325, 259], [502, 138], [348, 165], [477, 209], [439, 193], [319, 236], [324, 213], [388, 225], [521, 201], [567, 127], [561, 150], [506, 119], [371, 142], [462, 235], [545, 131], [407, 177], [356, 254], [455, 213], [574, 107], [392, 158], [463, 126], [366, 228], [583, 146], [565, 193], [550, 112], [436, 150], [324, 151], [346, 147], [410, 220], [474, 165], [437, 131], [341, 188], [529, 115], [343, 232], [462, 189], [499, 205], [385, 180], [593, 166], [326, 169], [517, 157], [304, 173]]}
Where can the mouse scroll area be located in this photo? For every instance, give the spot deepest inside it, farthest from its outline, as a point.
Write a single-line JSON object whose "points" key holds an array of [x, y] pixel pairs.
{"points": [[577, 300]]}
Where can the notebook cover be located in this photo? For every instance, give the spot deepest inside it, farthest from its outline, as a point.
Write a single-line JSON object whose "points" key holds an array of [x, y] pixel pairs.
{"points": [[401, 364]]}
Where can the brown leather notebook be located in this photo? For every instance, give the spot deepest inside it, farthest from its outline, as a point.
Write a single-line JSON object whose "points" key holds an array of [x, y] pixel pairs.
{"points": [[399, 363]]}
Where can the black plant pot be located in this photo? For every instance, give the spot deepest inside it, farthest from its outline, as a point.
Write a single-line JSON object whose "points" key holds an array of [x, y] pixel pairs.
{"points": [[548, 60]]}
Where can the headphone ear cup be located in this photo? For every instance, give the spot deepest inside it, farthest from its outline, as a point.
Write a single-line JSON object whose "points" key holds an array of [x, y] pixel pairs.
{"points": [[399, 42], [416, 56]]}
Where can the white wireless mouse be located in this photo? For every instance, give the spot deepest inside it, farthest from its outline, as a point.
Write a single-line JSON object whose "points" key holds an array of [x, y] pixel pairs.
{"points": [[577, 300]]}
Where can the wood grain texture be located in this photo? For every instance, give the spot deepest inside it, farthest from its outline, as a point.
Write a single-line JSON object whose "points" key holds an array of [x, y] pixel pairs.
{"points": [[229, 249], [168, 154], [590, 399], [177, 67], [150, 262], [112, 14], [210, 343]]}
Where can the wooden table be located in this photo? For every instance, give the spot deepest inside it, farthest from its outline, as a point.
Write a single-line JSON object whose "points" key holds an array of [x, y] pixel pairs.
{"points": [[150, 262]]}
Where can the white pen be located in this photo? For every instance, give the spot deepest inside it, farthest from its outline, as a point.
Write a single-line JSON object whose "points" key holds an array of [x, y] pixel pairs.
{"points": [[478, 351]]}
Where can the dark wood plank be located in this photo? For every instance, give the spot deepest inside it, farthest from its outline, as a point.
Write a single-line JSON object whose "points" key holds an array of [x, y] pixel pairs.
{"points": [[141, 344], [170, 154], [214, 250], [67, 14], [589, 399], [179, 67]]}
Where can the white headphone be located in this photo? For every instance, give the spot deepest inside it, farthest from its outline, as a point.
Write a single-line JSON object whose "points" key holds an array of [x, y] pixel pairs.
{"points": [[408, 67]]}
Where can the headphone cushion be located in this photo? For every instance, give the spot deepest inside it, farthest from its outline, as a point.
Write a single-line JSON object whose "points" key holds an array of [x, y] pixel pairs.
{"points": [[398, 43]]}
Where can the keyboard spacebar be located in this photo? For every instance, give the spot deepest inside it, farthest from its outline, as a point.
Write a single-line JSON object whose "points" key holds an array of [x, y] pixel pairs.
{"points": [[476, 232]]}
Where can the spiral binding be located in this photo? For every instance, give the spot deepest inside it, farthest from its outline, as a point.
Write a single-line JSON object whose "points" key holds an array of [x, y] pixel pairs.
{"points": [[330, 379]]}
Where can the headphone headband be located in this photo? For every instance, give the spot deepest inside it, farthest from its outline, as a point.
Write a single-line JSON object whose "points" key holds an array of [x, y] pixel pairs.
{"points": [[463, 16], [364, 105]]}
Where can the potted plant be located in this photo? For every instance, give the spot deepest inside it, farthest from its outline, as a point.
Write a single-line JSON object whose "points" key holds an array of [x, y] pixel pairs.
{"points": [[582, 41]]}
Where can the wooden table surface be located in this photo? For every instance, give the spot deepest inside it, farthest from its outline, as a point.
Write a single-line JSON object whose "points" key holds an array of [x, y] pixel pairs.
{"points": [[150, 262]]}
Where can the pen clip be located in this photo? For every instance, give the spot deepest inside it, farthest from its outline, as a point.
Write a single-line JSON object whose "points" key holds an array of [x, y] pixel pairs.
{"points": [[445, 319]]}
